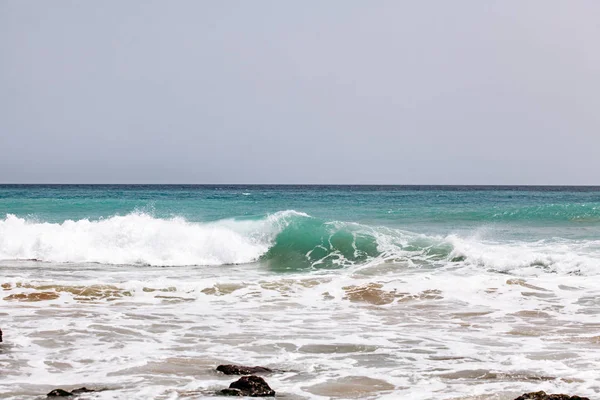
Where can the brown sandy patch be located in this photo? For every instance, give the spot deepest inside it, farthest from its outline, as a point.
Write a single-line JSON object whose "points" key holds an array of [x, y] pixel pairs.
{"points": [[221, 289], [81, 293], [522, 282], [31, 297], [371, 293], [351, 387]]}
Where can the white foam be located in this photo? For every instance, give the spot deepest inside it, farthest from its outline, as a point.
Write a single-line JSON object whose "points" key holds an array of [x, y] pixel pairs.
{"points": [[166, 334], [555, 256], [139, 238]]}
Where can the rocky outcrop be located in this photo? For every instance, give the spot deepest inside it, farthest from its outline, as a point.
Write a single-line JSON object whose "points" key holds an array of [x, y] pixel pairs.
{"points": [[64, 393], [230, 369], [232, 392], [544, 396], [251, 386]]}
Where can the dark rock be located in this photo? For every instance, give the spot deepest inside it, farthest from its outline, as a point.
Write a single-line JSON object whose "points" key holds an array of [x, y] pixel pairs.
{"points": [[59, 393], [82, 390], [0, 335], [74, 392], [231, 369], [232, 392], [253, 386], [544, 396]]}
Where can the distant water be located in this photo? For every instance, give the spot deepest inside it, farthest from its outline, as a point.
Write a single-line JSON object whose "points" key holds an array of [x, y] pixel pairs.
{"points": [[416, 292]]}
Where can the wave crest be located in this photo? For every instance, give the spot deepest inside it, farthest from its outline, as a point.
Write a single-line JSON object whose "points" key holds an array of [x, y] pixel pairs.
{"points": [[285, 241], [137, 238]]}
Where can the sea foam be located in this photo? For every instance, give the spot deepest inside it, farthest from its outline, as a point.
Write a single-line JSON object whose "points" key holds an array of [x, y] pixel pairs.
{"points": [[139, 238]]}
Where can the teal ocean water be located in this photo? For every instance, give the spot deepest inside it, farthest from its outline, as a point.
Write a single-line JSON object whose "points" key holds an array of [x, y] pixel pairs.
{"points": [[441, 207], [417, 292], [296, 225]]}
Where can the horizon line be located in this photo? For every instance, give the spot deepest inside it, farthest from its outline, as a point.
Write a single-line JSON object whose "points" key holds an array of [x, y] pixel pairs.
{"points": [[304, 184]]}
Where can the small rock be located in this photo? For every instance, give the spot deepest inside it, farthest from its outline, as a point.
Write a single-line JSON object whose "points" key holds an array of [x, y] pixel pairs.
{"points": [[544, 396], [0, 335], [74, 392], [253, 386], [59, 393], [231, 369]]}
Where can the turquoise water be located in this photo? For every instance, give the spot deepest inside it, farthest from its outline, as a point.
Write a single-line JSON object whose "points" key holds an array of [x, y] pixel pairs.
{"points": [[354, 291], [396, 206], [336, 224]]}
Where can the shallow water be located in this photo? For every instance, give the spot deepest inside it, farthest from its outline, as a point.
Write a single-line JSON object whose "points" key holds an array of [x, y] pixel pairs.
{"points": [[415, 334], [471, 310]]}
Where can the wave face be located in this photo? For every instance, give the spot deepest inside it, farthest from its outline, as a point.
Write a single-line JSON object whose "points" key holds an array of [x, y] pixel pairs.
{"points": [[139, 238], [285, 241]]}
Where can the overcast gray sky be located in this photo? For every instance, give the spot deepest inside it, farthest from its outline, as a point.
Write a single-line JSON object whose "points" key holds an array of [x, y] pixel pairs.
{"points": [[399, 92]]}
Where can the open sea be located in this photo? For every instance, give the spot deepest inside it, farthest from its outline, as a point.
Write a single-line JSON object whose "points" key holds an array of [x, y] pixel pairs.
{"points": [[370, 292]]}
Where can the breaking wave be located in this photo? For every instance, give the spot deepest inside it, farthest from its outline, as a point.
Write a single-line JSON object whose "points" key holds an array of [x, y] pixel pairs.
{"points": [[285, 241]]}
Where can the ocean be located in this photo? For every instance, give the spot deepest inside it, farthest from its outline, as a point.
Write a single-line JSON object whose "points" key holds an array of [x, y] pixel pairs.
{"points": [[370, 292]]}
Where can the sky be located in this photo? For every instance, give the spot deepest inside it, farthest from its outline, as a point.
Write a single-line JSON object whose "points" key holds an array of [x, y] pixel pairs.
{"points": [[323, 92]]}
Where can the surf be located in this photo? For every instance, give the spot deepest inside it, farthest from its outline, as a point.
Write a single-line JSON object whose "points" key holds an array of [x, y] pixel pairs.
{"points": [[284, 241]]}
